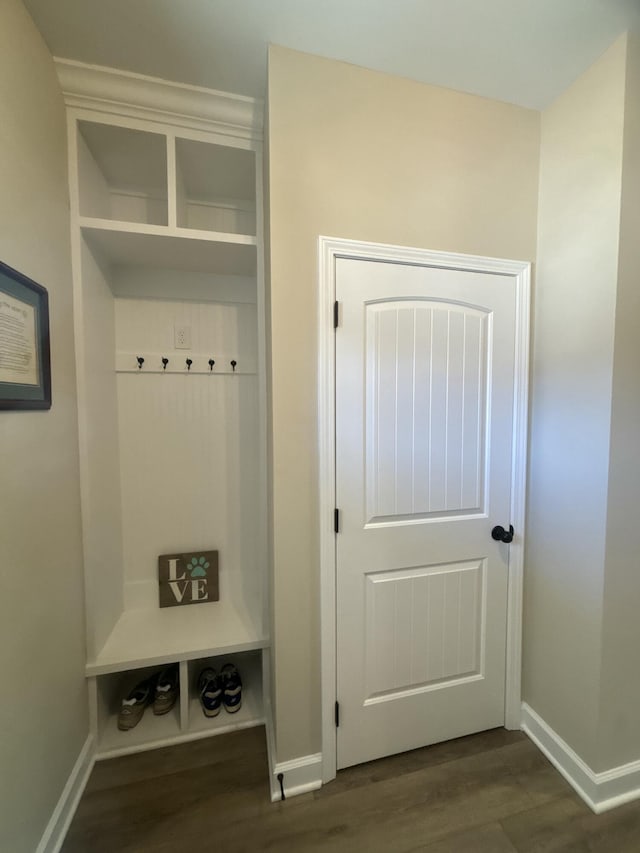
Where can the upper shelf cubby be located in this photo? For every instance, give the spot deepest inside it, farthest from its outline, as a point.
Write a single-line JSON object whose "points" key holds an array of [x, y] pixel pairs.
{"points": [[216, 187], [122, 174]]}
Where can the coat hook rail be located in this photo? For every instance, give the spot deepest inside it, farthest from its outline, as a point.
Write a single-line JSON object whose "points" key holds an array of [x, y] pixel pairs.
{"points": [[202, 363]]}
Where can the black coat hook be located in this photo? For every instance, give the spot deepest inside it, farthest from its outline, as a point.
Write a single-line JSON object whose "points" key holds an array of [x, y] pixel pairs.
{"points": [[165, 362], [211, 363], [189, 362], [140, 361], [234, 364]]}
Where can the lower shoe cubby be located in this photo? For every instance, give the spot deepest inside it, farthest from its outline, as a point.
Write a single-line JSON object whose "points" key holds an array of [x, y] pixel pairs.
{"points": [[108, 692], [186, 720], [249, 665]]}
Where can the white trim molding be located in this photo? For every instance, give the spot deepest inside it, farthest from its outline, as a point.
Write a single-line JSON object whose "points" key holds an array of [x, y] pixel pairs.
{"points": [[122, 93], [58, 826], [600, 791], [300, 776], [271, 757], [330, 248]]}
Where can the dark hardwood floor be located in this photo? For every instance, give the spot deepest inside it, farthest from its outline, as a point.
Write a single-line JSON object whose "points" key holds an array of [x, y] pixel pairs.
{"points": [[487, 793]]}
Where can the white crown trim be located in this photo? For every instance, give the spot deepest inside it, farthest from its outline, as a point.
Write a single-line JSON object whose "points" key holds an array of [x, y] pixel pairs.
{"points": [[110, 90]]}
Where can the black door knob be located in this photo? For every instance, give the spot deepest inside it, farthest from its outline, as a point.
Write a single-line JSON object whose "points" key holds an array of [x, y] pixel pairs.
{"points": [[501, 535]]}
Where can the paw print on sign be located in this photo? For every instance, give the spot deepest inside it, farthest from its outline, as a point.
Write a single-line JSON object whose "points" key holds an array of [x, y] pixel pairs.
{"points": [[198, 567]]}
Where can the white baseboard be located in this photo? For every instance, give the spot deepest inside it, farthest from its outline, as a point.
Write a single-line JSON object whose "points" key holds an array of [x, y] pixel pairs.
{"points": [[300, 776], [58, 825], [600, 791]]}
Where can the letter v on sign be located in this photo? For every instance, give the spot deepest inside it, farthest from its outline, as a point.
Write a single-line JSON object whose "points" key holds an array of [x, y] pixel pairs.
{"points": [[178, 589]]}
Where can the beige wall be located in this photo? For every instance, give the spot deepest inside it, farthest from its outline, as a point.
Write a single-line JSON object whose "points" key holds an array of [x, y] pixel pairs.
{"points": [[619, 733], [363, 155], [43, 712], [572, 369]]}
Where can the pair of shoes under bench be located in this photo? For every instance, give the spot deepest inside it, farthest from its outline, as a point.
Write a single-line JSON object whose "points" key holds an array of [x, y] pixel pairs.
{"points": [[159, 689], [218, 689]]}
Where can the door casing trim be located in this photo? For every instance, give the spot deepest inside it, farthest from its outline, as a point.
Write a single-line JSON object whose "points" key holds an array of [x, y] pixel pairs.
{"points": [[329, 249]]}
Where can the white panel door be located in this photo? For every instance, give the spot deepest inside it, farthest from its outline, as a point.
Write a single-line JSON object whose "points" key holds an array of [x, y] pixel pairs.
{"points": [[424, 420]]}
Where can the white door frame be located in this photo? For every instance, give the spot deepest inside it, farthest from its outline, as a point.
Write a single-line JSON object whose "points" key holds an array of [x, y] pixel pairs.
{"points": [[329, 249]]}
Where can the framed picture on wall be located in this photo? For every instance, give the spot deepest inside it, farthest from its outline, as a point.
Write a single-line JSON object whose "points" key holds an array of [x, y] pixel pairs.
{"points": [[25, 362]]}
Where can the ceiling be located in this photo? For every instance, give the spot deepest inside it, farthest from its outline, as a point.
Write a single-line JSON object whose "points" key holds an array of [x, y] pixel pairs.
{"points": [[522, 51]]}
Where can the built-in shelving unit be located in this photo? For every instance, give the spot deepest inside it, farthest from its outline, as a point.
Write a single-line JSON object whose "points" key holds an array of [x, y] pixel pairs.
{"points": [[186, 720], [166, 205]]}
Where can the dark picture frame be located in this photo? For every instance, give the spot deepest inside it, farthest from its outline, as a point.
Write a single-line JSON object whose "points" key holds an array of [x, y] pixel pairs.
{"points": [[25, 357]]}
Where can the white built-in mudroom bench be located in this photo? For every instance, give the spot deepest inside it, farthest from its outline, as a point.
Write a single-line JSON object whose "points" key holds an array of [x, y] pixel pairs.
{"points": [[166, 207]]}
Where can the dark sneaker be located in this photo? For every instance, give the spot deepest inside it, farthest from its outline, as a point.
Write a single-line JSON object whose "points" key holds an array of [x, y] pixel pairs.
{"points": [[210, 692], [231, 688], [166, 690], [133, 706]]}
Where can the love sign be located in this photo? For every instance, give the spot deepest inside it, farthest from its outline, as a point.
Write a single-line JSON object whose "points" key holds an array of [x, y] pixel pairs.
{"points": [[188, 578]]}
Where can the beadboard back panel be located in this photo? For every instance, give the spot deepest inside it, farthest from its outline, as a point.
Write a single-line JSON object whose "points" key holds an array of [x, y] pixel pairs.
{"points": [[188, 446], [223, 332]]}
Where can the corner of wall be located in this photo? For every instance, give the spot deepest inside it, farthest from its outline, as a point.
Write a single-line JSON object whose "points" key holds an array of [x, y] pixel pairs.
{"points": [[571, 397], [618, 735]]}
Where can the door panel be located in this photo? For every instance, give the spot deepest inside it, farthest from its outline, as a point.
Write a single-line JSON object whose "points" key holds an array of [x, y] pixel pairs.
{"points": [[425, 365], [424, 408], [422, 628]]}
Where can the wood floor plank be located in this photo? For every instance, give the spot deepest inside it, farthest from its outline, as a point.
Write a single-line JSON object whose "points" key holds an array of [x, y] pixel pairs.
{"points": [[553, 826], [484, 839], [404, 812], [489, 793], [150, 809], [417, 759], [213, 751], [615, 831], [536, 773], [569, 825]]}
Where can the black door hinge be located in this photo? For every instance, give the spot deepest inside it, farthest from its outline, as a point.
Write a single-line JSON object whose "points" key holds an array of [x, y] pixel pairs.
{"points": [[337, 714], [336, 314], [336, 520]]}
